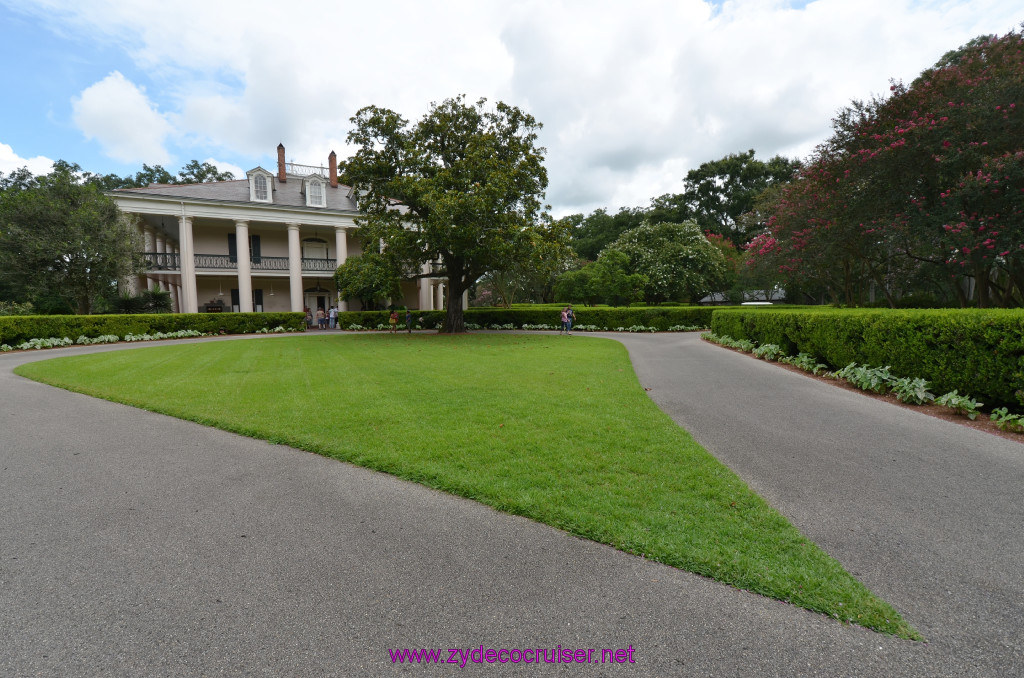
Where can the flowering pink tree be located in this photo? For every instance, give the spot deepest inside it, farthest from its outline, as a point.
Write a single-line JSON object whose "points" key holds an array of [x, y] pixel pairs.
{"points": [[926, 181]]}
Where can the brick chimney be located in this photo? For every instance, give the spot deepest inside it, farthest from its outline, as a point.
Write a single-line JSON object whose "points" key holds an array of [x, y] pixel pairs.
{"points": [[332, 164], [280, 164]]}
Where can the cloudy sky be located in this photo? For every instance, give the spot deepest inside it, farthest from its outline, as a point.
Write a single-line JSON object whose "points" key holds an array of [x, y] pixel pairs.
{"points": [[631, 94]]}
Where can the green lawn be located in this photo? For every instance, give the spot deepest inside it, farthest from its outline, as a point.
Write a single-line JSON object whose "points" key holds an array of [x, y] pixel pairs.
{"points": [[554, 428]]}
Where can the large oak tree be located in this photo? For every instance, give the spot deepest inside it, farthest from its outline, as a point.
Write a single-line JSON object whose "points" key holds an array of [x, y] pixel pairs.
{"points": [[463, 186], [61, 237]]}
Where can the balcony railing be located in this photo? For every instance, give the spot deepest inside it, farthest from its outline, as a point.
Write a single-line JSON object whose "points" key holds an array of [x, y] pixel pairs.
{"points": [[319, 264], [261, 263], [215, 261], [162, 261], [269, 263]]}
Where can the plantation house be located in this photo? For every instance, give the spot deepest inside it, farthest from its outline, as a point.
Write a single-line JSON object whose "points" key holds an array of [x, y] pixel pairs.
{"points": [[269, 242]]}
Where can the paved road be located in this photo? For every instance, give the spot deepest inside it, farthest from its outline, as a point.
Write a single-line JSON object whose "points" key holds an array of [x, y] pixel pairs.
{"points": [[135, 544]]}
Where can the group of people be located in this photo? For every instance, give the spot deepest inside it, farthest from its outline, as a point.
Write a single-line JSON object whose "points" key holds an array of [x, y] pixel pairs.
{"points": [[324, 319], [393, 321], [568, 318]]}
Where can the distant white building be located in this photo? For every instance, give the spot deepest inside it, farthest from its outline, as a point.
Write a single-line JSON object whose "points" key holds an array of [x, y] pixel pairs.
{"points": [[268, 242]]}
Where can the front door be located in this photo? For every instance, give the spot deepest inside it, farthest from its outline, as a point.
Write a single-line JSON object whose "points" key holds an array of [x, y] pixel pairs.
{"points": [[315, 301]]}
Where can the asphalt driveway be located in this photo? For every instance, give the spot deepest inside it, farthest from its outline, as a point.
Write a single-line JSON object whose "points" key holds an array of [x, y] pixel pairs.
{"points": [[136, 544]]}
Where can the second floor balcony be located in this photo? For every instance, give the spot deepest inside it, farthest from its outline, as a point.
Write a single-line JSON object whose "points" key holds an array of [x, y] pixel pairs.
{"points": [[164, 261]]}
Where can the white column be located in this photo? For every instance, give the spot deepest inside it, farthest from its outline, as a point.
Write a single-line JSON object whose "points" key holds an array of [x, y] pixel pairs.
{"points": [[140, 280], [150, 236], [423, 287], [341, 245], [188, 266], [295, 268], [439, 305], [465, 300], [175, 251], [161, 247], [244, 267], [175, 308]]}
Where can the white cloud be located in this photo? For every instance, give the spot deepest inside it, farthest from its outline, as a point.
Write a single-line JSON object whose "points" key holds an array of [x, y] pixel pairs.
{"points": [[118, 114], [631, 95], [227, 167], [11, 161]]}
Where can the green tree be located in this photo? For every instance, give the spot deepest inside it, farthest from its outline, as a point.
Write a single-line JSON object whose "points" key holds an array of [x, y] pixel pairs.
{"points": [[612, 281], [719, 191], [61, 237], [371, 278], [192, 173], [923, 186], [577, 286], [200, 173], [606, 280], [677, 260], [593, 233], [463, 186]]}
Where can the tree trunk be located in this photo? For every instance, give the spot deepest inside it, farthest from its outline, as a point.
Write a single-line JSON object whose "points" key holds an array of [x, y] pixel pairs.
{"points": [[981, 286], [1017, 278], [454, 320]]}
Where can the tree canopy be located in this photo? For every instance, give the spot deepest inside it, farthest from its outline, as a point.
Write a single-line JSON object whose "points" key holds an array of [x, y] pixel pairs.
{"points": [[607, 280], [718, 192], [677, 260], [371, 278], [194, 172], [923, 188], [61, 237], [463, 186]]}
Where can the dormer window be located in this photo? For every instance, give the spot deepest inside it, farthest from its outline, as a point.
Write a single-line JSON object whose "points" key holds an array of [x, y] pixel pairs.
{"points": [[261, 185], [315, 195]]}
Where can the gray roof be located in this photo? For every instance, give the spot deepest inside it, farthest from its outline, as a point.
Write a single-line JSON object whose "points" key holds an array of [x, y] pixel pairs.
{"points": [[285, 195]]}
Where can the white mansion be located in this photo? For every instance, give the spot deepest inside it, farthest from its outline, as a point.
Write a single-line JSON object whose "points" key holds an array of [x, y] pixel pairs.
{"points": [[296, 224]]}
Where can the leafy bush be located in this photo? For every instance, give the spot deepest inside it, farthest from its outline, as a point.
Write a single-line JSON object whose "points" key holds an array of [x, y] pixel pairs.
{"points": [[867, 378], [767, 352], [180, 334], [806, 362], [14, 308], [726, 340], [978, 351], [38, 342], [912, 390], [1006, 421], [964, 405], [102, 339], [18, 329], [656, 319]]}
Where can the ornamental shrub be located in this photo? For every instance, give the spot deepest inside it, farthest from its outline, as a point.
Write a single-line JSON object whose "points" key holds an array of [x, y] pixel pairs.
{"points": [[659, 318], [19, 329], [977, 351]]}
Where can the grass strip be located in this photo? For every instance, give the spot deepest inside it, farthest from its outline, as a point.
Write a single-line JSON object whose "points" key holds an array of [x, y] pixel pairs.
{"points": [[553, 428]]}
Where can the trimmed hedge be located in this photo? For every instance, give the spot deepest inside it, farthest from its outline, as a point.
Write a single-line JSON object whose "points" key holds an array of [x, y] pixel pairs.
{"points": [[661, 318], [974, 351], [17, 329]]}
